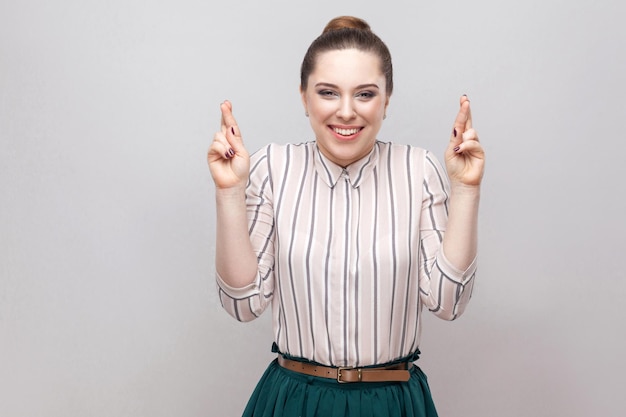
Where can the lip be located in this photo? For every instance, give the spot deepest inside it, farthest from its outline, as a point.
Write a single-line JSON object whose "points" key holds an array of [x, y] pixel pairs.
{"points": [[343, 137]]}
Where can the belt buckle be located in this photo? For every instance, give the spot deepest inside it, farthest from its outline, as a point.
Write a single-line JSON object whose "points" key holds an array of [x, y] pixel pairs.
{"points": [[348, 368]]}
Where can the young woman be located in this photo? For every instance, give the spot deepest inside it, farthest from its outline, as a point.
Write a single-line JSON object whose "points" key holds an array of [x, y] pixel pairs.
{"points": [[347, 237]]}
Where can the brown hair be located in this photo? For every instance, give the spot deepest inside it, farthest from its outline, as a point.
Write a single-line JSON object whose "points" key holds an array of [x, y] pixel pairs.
{"points": [[347, 32]]}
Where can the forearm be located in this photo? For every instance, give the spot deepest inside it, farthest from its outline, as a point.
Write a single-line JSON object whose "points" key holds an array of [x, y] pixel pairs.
{"points": [[235, 260], [460, 241]]}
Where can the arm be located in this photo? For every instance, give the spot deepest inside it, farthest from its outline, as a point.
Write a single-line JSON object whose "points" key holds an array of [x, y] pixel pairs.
{"points": [[229, 163], [465, 161], [450, 221], [244, 255], [235, 260], [445, 289], [461, 238]]}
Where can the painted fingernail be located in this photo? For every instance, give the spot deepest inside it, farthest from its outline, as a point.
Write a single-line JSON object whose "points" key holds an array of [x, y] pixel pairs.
{"points": [[232, 129], [231, 152], [227, 155], [457, 149], [454, 131]]}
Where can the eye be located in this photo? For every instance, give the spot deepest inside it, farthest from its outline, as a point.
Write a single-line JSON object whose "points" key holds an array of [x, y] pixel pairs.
{"points": [[327, 93], [366, 95]]}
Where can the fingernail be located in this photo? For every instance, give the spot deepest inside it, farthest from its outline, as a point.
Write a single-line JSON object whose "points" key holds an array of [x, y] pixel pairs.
{"points": [[457, 149], [232, 129], [454, 132], [231, 152], [227, 155]]}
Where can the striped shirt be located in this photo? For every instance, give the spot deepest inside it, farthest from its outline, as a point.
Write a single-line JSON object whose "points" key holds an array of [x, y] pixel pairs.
{"points": [[348, 256]]}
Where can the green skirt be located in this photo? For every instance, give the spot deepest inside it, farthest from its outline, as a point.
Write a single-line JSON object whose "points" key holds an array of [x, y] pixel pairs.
{"points": [[285, 393]]}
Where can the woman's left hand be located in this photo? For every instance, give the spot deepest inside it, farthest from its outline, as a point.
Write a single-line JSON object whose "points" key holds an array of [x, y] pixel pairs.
{"points": [[465, 157]]}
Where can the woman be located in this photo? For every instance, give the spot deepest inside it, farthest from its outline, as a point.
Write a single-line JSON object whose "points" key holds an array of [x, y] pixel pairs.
{"points": [[347, 237]]}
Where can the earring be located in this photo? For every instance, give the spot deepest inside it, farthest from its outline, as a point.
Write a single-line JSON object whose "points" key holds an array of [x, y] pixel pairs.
{"points": [[384, 116], [306, 113]]}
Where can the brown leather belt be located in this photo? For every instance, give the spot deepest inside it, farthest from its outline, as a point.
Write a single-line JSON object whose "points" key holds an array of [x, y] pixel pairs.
{"points": [[398, 372]]}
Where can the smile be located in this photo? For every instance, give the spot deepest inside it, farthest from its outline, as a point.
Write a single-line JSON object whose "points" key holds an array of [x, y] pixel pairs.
{"points": [[346, 132]]}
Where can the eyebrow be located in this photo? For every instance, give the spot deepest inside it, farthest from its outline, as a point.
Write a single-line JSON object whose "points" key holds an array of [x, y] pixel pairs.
{"points": [[358, 87]]}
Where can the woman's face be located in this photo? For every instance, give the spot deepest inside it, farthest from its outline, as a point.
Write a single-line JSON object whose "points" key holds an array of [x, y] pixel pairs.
{"points": [[346, 101]]}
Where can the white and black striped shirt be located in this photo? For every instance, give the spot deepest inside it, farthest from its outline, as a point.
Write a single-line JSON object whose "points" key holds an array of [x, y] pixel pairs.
{"points": [[348, 257]]}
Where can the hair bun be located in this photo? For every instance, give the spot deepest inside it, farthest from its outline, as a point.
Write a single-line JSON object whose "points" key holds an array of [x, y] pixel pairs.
{"points": [[346, 22]]}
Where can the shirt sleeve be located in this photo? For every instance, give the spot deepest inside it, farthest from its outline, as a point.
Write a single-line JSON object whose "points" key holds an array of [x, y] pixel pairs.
{"points": [[247, 303], [444, 289]]}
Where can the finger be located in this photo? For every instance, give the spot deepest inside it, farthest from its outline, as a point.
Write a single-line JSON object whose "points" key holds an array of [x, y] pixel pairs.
{"points": [[472, 147], [225, 107], [228, 119], [221, 139], [460, 122], [469, 134], [220, 147], [232, 132], [465, 99], [217, 152]]}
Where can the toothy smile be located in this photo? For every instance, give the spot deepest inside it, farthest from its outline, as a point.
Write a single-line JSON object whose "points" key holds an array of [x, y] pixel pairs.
{"points": [[346, 132]]}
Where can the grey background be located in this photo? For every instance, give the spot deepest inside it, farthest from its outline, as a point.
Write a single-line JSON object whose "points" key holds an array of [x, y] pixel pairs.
{"points": [[107, 299]]}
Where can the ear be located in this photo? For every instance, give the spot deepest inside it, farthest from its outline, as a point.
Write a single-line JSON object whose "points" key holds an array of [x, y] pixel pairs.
{"points": [[303, 98], [386, 104]]}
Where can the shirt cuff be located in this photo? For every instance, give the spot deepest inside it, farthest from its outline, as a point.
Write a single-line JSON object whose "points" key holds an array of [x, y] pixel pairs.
{"points": [[249, 290], [453, 272]]}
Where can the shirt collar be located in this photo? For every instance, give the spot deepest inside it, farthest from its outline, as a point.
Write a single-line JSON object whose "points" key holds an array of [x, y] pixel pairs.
{"points": [[357, 171]]}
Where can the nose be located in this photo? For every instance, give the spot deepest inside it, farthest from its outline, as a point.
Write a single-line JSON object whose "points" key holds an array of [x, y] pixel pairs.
{"points": [[346, 109]]}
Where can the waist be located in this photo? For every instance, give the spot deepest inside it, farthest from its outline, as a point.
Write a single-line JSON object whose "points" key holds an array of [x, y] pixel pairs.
{"points": [[399, 372]]}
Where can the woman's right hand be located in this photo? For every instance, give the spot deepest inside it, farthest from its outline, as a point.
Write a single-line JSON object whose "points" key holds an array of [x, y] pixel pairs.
{"points": [[227, 157]]}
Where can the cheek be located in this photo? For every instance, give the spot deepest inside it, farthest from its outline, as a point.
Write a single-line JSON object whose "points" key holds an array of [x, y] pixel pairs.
{"points": [[322, 108], [318, 112], [372, 110]]}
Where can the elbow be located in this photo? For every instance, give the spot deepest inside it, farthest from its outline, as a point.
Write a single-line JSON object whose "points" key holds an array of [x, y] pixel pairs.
{"points": [[449, 313], [243, 308], [445, 314], [241, 313], [246, 318]]}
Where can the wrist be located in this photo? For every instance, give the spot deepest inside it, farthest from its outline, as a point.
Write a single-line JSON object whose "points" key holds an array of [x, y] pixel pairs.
{"points": [[230, 194], [464, 189]]}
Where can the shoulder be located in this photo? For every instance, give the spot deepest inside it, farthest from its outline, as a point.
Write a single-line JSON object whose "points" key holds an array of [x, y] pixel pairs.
{"points": [[277, 149], [398, 152], [273, 158], [402, 159], [275, 154]]}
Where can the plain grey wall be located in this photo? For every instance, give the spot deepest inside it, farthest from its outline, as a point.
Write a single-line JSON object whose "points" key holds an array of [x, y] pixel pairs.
{"points": [[107, 297]]}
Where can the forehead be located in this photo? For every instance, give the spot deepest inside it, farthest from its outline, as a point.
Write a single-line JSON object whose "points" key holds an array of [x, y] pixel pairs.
{"points": [[347, 66]]}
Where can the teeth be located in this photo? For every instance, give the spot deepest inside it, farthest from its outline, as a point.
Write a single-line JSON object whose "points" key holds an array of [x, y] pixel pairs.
{"points": [[345, 132]]}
